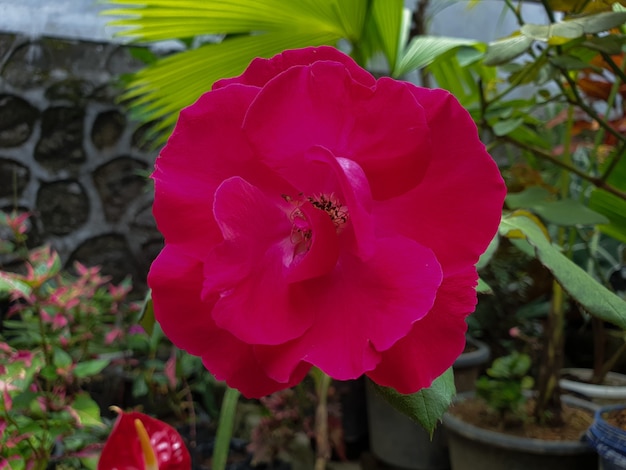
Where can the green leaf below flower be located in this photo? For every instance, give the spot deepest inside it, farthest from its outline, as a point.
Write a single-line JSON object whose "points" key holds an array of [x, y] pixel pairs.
{"points": [[426, 406]]}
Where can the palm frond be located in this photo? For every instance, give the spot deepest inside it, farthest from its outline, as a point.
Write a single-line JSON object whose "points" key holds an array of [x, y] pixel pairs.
{"points": [[160, 91]]}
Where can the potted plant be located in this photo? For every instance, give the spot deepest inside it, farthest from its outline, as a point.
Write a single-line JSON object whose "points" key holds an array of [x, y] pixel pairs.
{"points": [[552, 174], [60, 330], [555, 53], [597, 348], [399, 441], [495, 430], [607, 435]]}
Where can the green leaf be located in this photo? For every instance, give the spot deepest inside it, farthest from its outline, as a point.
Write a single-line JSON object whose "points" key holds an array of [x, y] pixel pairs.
{"points": [[506, 126], [48, 265], [19, 377], [49, 372], [614, 208], [9, 283], [140, 387], [569, 213], [567, 62], [423, 50], [61, 358], [596, 299], [253, 28], [504, 50], [160, 91], [87, 410], [155, 20], [388, 16], [600, 22], [483, 287], [146, 317], [426, 406], [566, 212], [489, 252], [527, 198], [90, 368], [556, 33], [611, 44]]}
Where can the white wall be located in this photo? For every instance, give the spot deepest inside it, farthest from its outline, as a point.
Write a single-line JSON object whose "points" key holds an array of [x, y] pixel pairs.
{"points": [[73, 19], [486, 21], [80, 19]]}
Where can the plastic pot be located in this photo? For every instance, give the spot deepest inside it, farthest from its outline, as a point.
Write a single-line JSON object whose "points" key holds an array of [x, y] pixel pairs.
{"points": [[609, 441], [473, 448], [613, 392], [403, 444], [468, 366]]}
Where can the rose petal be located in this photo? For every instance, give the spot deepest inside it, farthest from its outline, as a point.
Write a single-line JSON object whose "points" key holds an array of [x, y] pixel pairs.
{"points": [[260, 71], [360, 310], [434, 342], [318, 172], [382, 128], [456, 208], [206, 148], [176, 280], [261, 229]]}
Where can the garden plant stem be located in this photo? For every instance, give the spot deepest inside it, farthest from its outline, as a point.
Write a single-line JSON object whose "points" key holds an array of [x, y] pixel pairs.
{"points": [[225, 428], [322, 384]]}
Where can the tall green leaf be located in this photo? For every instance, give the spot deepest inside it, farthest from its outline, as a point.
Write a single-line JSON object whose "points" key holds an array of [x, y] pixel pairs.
{"points": [[388, 16], [423, 50], [596, 299], [613, 207]]}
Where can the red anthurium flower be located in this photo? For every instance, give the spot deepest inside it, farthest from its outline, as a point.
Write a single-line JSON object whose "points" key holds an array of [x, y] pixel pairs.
{"points": [[316, 216], [139, 442]]}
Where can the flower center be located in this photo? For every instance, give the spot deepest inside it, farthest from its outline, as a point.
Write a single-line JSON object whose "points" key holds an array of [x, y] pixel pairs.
{"points": [[301, 231], [337, 212]]}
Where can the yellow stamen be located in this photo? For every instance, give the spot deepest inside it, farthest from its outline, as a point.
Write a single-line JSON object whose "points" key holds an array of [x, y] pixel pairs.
{"points": [[149, 457]]}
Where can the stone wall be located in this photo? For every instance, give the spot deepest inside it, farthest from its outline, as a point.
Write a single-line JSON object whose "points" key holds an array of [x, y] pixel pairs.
{"points": [[70, 155]]}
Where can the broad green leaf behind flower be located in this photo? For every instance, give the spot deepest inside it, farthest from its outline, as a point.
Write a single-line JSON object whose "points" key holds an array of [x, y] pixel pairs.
{"points": [[612, 206], [596, 299]]}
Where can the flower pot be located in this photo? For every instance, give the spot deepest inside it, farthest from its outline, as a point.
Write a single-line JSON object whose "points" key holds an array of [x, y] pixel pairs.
{"points": [[401, 443], [609, 441], [612, 392], [474, 448], [468, 366]]}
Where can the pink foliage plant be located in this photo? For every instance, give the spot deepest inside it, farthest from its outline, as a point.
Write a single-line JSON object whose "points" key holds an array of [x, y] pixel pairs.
{"points": [[316, 216]]}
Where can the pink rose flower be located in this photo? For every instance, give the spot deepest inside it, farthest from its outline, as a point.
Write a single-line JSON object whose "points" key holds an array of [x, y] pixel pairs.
{"points": [[316, 216]]}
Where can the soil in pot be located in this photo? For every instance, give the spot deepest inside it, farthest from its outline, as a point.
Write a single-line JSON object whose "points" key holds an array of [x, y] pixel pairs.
{"points": [[478, 440], [475, 411], [616, 418]]}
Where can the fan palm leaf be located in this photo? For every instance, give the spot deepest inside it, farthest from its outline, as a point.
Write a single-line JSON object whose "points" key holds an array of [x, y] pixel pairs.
{"points": [[249, 29]]}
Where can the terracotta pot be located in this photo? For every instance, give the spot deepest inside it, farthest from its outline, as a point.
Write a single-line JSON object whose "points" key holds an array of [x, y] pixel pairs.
{"points": [[400, 442], [473, 448]]}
